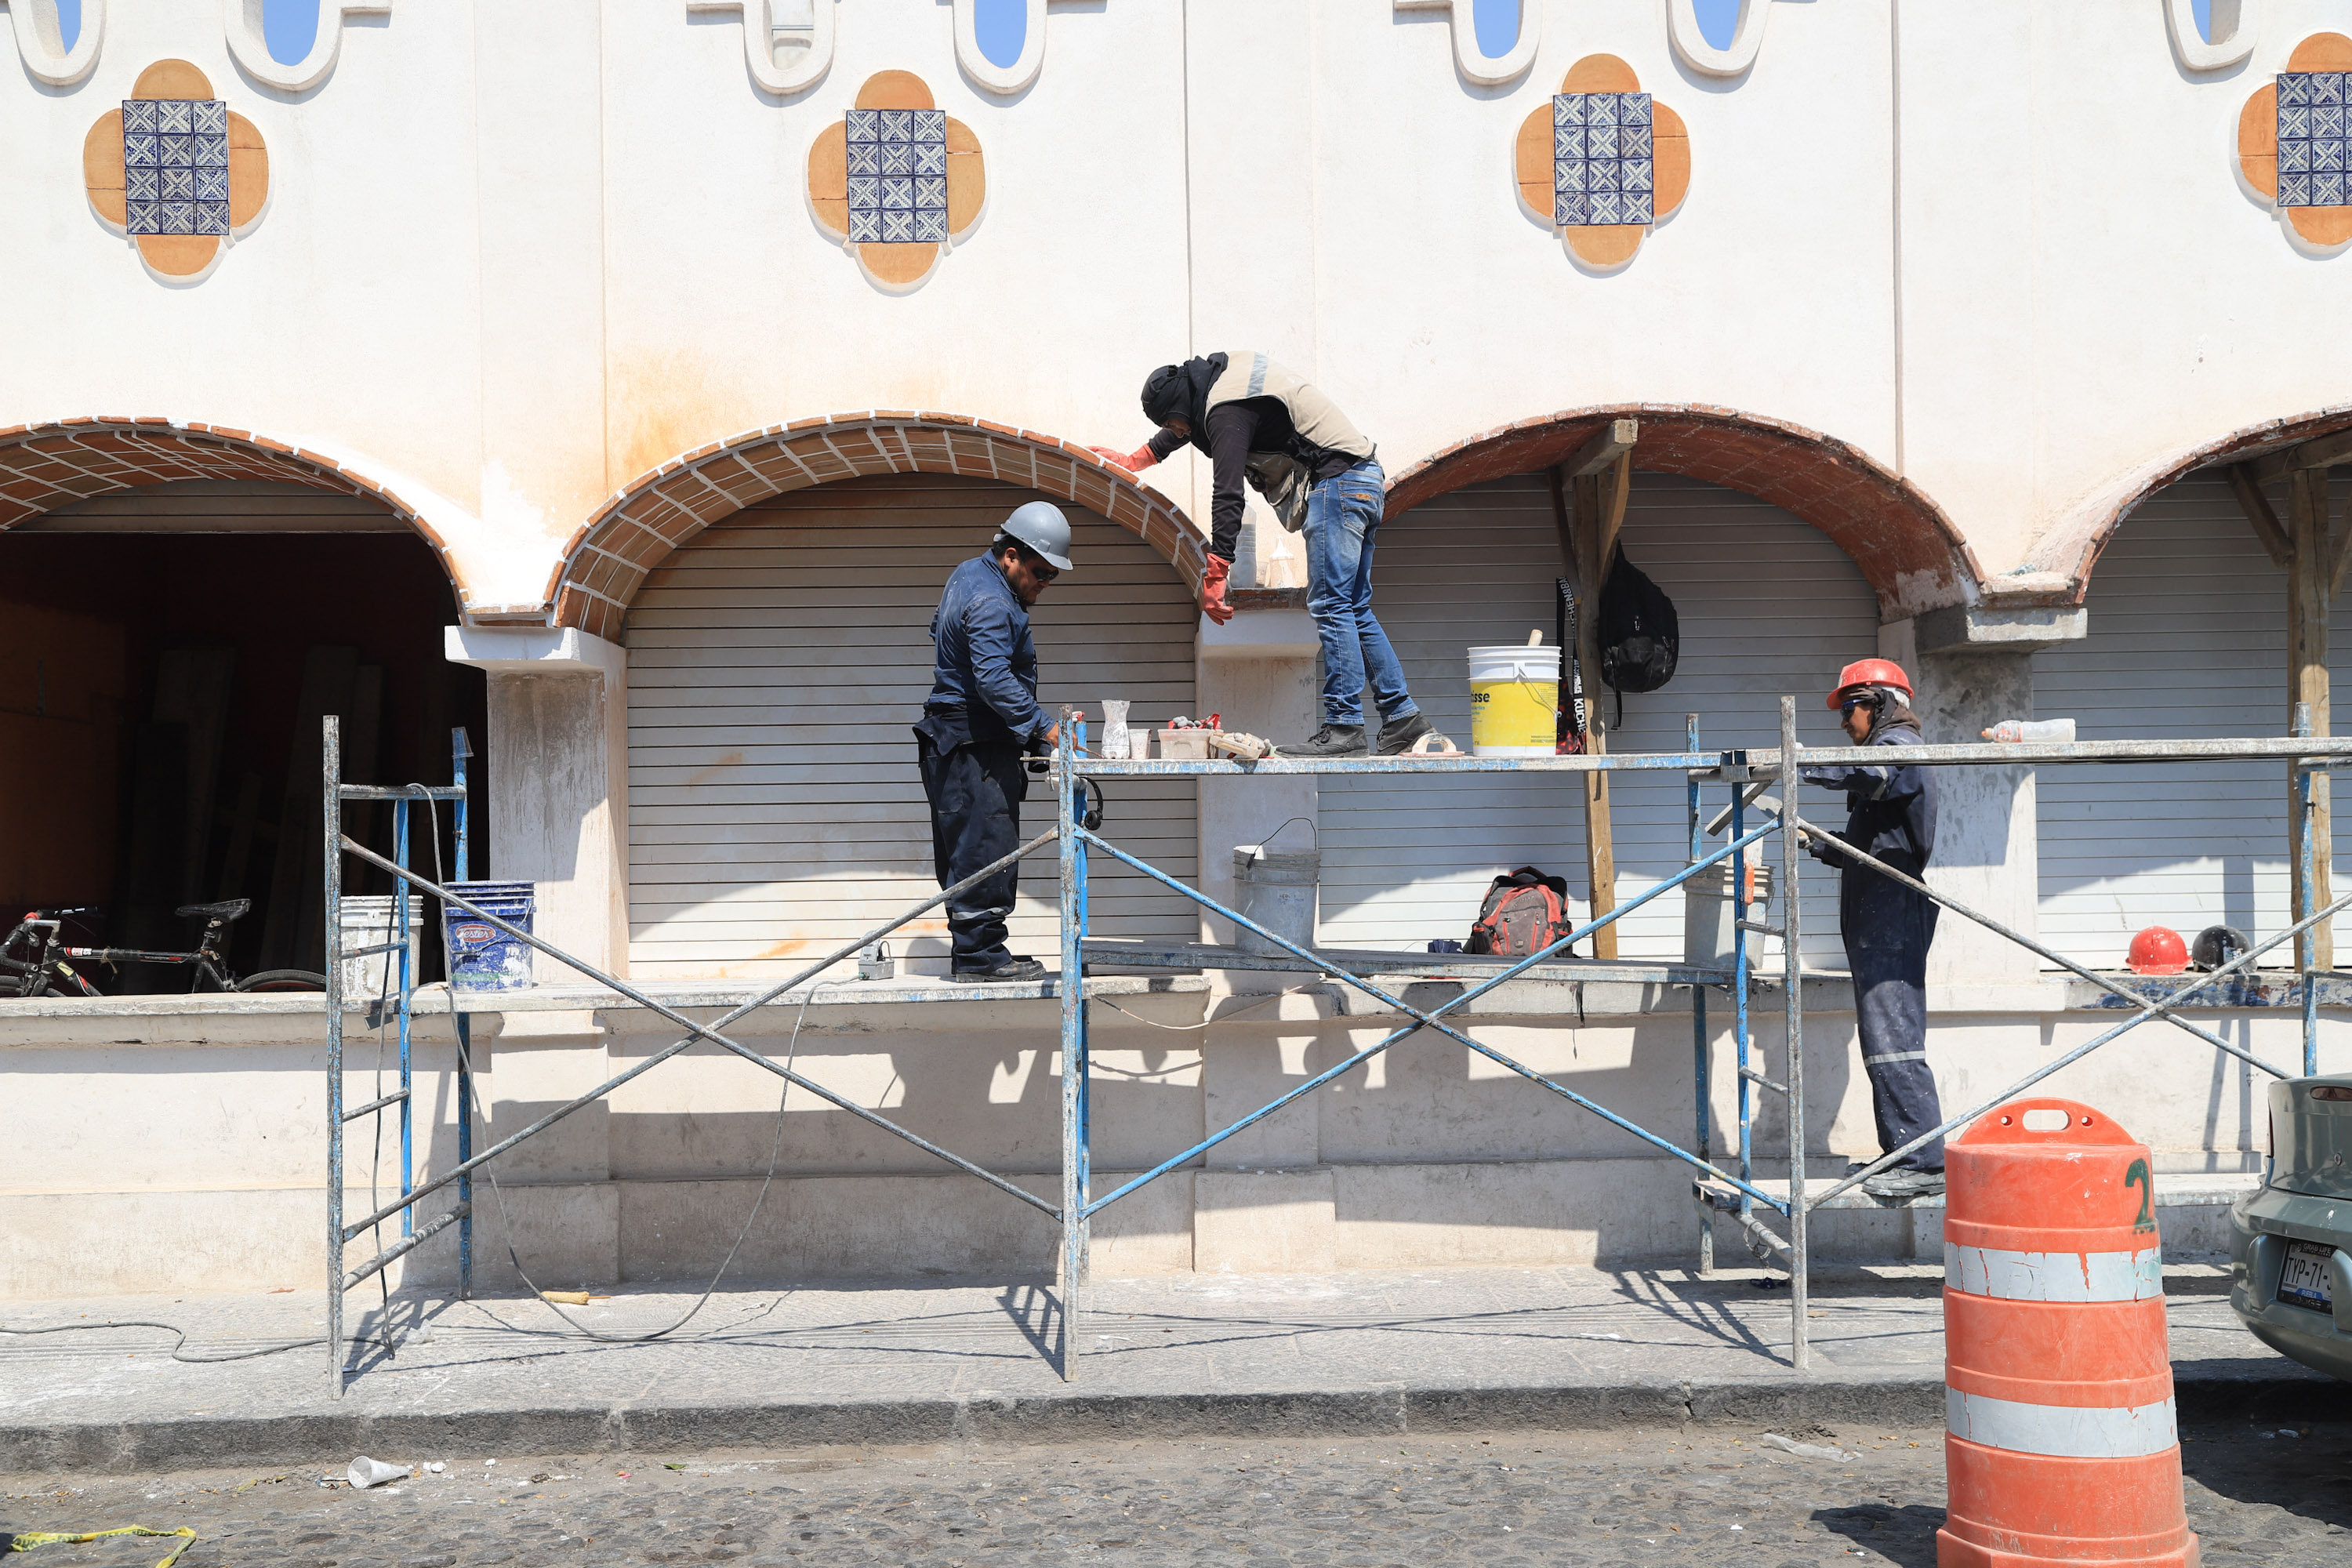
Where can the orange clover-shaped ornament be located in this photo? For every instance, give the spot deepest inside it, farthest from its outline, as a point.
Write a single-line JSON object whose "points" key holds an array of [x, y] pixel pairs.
{"points": [[2294, 139], [173, 169], [897, 178], [1603, 160]]}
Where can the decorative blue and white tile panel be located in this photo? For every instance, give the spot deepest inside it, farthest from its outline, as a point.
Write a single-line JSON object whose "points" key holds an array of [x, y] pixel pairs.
{"points": [[2315, 139], [176, 165], [897, 175], [1602, 166]]}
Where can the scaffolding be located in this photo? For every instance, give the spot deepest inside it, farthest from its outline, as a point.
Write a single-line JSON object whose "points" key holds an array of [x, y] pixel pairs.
{"points": [[1754, 1203]]}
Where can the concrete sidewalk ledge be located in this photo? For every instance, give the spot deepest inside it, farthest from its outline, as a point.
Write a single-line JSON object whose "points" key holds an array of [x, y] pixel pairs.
{"points": [[2268, 1391], [1171, 1356]]}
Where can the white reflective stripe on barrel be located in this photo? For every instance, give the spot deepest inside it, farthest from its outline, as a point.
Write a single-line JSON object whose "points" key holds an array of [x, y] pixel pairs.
{"points": [[2061, 1431], [2008, 1276]]}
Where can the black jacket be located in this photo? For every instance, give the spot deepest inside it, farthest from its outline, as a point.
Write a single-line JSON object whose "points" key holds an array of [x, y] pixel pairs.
{"points": [[1890, 809]]}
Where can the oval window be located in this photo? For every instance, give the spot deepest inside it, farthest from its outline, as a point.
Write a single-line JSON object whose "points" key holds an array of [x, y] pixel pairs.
{"points": [[1003, 28], [289, 27]]}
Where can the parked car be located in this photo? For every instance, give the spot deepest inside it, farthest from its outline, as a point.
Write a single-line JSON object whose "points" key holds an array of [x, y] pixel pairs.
{"points": [[2291, 1240]]}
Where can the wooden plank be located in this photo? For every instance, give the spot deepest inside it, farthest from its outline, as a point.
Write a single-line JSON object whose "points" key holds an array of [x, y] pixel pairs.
{"points": [[328, 671], [2259, 515], [192, 688], [1607, 447], [2307, 685], [242, 818], [1599, 839]]}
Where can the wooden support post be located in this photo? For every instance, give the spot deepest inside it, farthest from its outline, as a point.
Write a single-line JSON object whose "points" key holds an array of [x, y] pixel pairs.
{"points": [[1601, 485], [2311, 573], [2259, 515]]}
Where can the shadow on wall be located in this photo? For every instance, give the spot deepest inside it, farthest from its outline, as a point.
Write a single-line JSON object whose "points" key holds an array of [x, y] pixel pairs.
{"points": [[2187, 639], [1767, 605]]}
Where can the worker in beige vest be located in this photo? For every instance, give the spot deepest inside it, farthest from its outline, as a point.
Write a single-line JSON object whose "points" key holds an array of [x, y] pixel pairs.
{"points": [[1261, 423]]}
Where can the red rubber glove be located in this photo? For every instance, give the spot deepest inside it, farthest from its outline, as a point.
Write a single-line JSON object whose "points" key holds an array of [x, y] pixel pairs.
{"points": [[1212, 590], [1134, 462]]}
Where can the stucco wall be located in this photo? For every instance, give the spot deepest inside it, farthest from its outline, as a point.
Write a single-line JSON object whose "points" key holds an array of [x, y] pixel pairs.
{"points": [[511, 260]]}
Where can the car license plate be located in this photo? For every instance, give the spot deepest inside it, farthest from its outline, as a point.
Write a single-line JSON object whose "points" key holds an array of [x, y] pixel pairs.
{"points": [[2304, 1281]]}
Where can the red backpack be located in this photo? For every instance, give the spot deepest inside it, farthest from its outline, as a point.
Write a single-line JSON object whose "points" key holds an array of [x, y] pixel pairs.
{"points": [[1524, 913]]}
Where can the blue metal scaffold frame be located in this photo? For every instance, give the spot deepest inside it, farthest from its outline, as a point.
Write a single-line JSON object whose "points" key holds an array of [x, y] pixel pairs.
{"points": [[1738, 1193]]}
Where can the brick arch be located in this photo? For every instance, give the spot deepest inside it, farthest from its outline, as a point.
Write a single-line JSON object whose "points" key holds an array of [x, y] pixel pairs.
{"points": [[607, 561], [1908, 550], [45, 467], [2069, 549]]}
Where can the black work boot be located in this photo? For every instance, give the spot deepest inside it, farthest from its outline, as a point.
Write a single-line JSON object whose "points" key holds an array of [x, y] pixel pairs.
{"points": [[1011, 969], [1398, 735], [1330, 740]]}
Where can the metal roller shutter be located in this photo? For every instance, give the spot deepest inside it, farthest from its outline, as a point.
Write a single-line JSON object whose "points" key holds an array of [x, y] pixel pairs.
{"points": [[1767, 605], [777, 663], [2187, 639]]}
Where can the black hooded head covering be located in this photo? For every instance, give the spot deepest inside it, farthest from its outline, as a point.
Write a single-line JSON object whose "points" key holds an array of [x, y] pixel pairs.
{"points": [[1182, 392]]}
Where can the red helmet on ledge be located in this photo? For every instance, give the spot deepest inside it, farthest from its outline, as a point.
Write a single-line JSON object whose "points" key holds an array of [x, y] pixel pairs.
{"points": [[2158, 950], [1869, 672]]}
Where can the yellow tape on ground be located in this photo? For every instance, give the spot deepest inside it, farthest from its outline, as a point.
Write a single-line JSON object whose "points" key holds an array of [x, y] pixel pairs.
{"points": [[27, 1541]]}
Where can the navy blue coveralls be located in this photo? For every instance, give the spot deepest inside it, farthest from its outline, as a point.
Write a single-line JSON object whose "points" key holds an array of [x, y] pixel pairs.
{"points": [[1891, 815], [981, 717]]}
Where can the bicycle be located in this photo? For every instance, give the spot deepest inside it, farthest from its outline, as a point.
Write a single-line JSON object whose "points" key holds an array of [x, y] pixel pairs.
{"points": [[35, 962]]}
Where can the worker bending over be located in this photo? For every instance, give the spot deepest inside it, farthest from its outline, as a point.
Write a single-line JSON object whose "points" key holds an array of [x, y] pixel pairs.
{"points": [[979, 720], [1890, 815], [1259, 421]]}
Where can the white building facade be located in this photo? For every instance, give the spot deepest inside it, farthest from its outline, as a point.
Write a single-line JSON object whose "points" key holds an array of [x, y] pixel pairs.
{"points": [[659, 362]]}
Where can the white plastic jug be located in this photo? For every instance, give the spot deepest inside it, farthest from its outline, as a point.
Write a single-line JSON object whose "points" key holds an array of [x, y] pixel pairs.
{"points": [[1117, 740]]}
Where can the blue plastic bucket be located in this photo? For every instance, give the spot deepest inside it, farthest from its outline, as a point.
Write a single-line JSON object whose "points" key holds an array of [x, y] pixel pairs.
{"points": [[481, 956]]}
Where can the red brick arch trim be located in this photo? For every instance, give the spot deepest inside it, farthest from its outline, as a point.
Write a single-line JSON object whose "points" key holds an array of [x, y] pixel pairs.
{"points": [[606, 562], [45, 467], [2063, 556], [1908, 550]]}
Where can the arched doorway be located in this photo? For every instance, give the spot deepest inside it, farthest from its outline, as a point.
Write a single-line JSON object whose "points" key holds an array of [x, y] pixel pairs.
{"points": [[178, 605], [1783, 549], [775, 597], [2188, 636]]}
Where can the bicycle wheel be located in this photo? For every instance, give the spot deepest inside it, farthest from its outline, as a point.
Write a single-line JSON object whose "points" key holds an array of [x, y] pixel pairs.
{"points": [[270, 980]]}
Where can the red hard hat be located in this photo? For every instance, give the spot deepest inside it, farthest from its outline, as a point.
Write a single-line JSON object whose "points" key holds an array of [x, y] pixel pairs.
{"points": [[1870, 672], [2158, 950]]}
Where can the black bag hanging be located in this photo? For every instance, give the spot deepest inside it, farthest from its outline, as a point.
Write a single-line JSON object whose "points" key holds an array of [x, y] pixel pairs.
{"points": [[1640, 635]]}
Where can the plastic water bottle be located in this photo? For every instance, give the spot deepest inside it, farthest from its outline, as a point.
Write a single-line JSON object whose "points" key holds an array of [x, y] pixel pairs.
{"points": [[2031, 729]]}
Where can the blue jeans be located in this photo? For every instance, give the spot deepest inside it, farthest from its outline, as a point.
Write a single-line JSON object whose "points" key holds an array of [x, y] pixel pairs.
{"points": [[1343, 514]]}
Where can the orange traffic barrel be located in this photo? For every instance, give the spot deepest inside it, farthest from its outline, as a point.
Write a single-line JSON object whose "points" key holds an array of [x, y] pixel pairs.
{"points": [[2060, 1442]]}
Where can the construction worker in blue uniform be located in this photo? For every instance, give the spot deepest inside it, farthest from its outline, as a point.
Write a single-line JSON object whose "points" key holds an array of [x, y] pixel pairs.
{"points": [[1890, 815], [980, 720]]}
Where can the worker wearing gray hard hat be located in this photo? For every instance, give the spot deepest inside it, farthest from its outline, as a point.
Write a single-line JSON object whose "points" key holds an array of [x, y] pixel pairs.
{"points": [[979, 720]]}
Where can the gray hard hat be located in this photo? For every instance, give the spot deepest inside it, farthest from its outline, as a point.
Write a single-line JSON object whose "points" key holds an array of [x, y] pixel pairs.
{"points": [[1040, 525]]}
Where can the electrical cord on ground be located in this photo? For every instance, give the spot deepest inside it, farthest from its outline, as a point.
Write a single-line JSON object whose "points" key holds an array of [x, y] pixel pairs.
{"points": [[24, 1540], [1194, 1028], [498, 1194], [182, 1333]]}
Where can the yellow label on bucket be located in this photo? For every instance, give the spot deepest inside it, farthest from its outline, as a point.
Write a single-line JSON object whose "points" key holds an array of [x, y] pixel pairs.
{"points": [[1518, 714]]}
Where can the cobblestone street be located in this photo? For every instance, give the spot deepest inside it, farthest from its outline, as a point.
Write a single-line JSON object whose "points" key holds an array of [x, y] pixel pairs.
{"points": [[1715, 1495]]}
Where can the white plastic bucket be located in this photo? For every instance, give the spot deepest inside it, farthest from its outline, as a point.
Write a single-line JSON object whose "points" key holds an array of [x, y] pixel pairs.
{"points": [[1276, 888], [1513, 701], [367, 922], [1708, 913]]}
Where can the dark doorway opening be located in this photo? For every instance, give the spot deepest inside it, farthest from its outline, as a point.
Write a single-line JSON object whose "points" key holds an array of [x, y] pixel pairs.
{"points": [[164, 652]]}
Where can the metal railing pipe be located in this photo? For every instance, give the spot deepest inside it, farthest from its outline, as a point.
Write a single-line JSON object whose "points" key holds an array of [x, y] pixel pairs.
{"points": [[1861, 858], [1426, 1020], [2153, 1009], [700, 1032]]}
